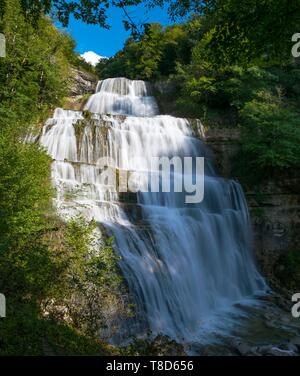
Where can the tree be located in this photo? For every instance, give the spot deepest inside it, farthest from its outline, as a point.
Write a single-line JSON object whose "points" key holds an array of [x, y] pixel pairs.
{"points": [[32, 81], [154, 55], [34, 73], [95, 11], [241, 31]]}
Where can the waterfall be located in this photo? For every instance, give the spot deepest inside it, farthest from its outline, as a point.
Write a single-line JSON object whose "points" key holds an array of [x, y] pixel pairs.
{"points": [[182, 262]]}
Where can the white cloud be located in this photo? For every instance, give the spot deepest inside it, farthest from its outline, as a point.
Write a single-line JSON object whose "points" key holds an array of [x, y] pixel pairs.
{"points": [[91, 57]]}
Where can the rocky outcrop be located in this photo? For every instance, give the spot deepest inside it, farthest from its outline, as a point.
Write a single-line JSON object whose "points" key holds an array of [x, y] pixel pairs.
{"points": [[275, 213], [269, 330], [159, 346], [80, 86], [224, 144], [81, 82]]}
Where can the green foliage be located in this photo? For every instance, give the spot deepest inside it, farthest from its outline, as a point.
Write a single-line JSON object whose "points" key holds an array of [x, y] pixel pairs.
{"points": [[90, 257], [152, 56], [25, 191], [31, 82], [24, 332], [239, 30], [89, 291], [228, 32], [95, 11], [32, 73], [243, 31], [271, 137], [62, 289]]}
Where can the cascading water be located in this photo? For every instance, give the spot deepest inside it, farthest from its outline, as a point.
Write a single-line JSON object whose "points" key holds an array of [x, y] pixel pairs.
{"points": [[183, 262]]}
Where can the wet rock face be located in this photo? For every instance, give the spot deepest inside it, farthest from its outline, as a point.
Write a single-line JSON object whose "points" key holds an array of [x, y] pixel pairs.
{"points": [[224, 142], [265, 330], [275, 218]]}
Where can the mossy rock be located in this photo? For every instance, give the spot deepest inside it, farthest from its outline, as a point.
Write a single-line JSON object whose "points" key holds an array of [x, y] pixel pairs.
{"points": [[87, 114]]}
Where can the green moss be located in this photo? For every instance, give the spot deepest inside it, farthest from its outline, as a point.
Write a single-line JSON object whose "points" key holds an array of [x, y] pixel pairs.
{"points": [[87, 114]]}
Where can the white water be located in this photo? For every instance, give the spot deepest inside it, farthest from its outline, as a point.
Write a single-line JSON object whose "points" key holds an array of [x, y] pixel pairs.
{"points": [[183, 263]]}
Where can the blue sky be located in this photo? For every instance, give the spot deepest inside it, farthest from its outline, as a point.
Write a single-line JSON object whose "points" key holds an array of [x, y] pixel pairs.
{"points": [[108, 42]]}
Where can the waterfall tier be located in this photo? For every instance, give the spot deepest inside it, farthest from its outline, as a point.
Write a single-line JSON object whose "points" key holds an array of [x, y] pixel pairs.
{"points": [[122, 96]]}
